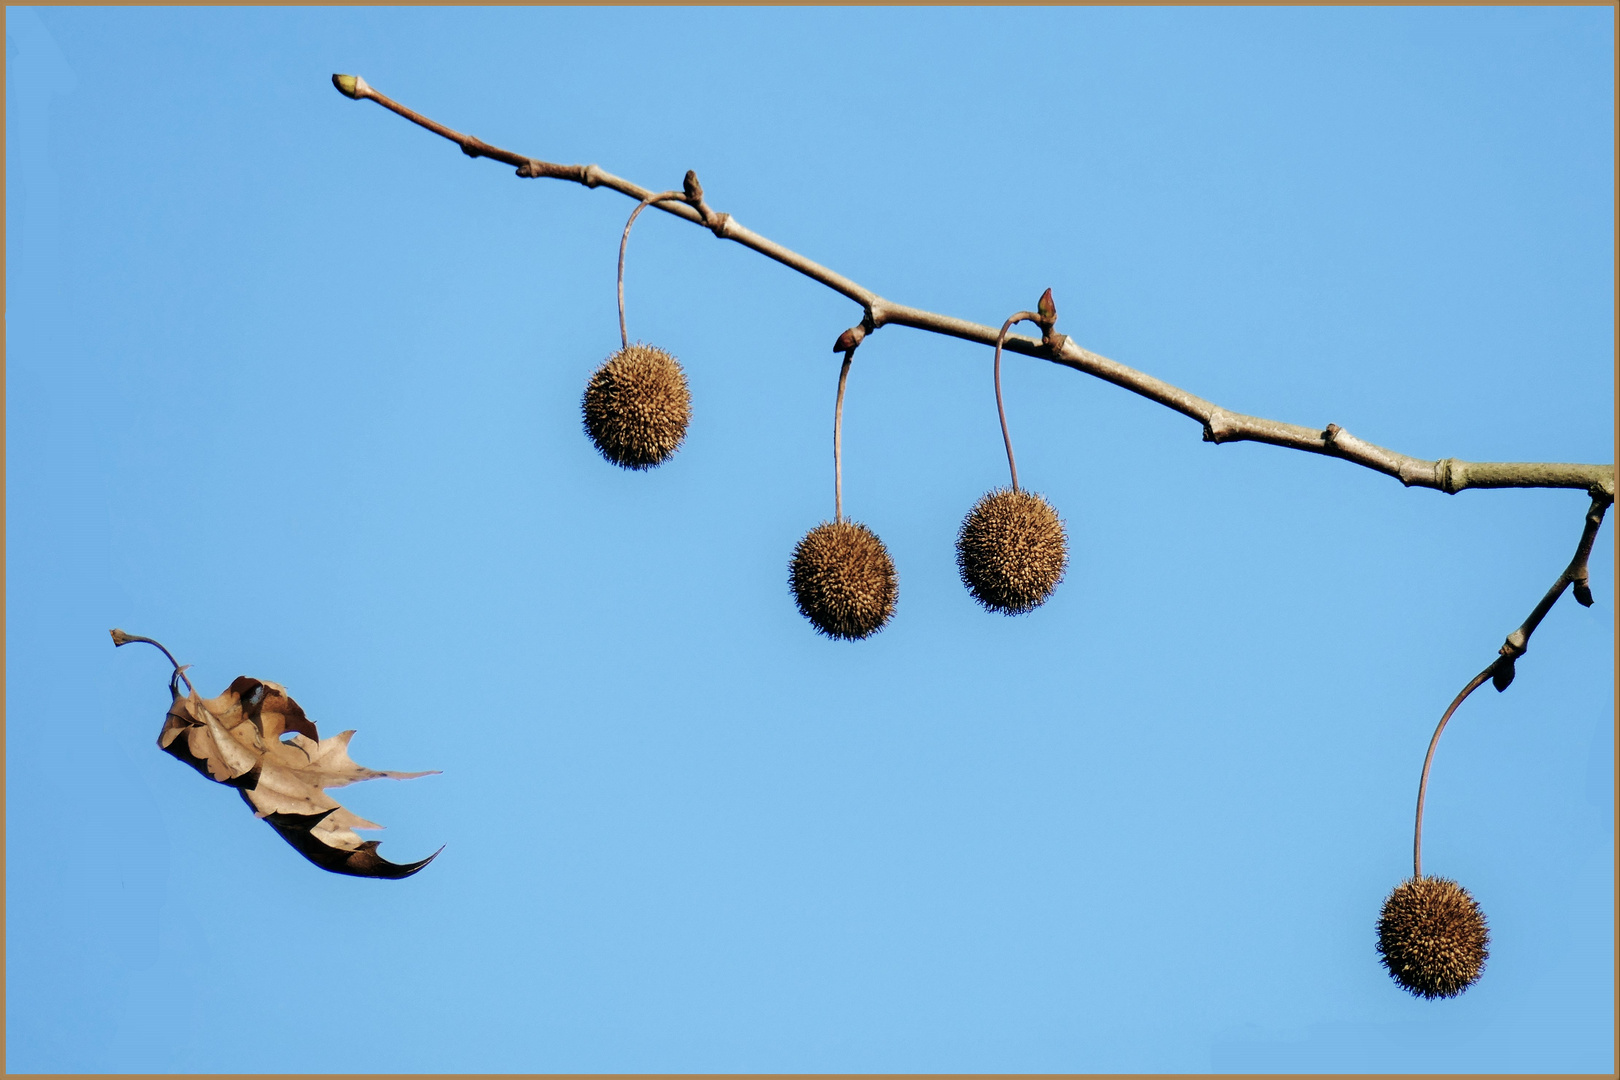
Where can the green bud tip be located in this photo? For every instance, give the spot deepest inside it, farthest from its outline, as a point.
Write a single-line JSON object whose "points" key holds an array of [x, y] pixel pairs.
{"points": [[347, 85]]}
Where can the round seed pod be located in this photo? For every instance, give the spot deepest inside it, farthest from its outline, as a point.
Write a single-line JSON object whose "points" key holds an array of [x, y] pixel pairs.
{"points": [[843, 580], [1432, 937], [637, 407], [1011, 551]]}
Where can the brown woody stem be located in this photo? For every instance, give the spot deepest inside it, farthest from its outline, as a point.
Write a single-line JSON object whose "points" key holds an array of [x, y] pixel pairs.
{"points": [[1220, 425]]}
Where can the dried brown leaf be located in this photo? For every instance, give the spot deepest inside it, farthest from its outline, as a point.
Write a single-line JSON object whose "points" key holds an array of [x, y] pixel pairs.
{"points": [[255, 737]]}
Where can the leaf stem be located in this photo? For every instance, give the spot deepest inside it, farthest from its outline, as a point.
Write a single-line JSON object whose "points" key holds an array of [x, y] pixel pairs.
{"points": [[121, 638]]}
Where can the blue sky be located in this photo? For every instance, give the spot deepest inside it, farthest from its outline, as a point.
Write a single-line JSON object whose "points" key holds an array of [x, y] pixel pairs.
{"points": [[293, 386]]}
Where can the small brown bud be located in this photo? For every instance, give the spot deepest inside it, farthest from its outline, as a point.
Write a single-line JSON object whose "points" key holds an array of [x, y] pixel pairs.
{"points": [[1502, 673], [1583, 594], [694, 190], [1047, 308], [850, 338], [120, 638]]}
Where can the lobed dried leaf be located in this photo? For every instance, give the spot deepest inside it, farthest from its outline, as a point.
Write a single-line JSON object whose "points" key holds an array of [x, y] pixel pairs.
{"points": [[255, 737]]}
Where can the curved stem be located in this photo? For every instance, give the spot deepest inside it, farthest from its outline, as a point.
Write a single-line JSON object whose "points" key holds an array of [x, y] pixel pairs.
{"points": [[1001, 339], [1423, 784], [624, 337], [838, 440], [121, 638]]}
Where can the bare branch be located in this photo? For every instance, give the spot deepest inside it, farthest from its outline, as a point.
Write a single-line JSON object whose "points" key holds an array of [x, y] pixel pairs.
{"points": [[1220, 425]]}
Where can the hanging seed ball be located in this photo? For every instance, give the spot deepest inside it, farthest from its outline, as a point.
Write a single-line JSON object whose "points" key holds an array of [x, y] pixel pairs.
{"points": [[1011, 551], [844, 580], [1432, 937], [637, 407]]}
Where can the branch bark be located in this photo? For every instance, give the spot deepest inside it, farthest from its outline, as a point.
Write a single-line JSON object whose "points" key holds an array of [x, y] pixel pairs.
{"points": [[1220, 425]]}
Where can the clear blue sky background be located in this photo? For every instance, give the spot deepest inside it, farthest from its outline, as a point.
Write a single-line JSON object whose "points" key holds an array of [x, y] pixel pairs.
{"points": [[294, 387]]}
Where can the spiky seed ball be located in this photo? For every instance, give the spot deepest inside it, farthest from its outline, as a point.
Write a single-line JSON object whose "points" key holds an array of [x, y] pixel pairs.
{"points": [[1432, 937], [637, 407], [1011, 551], [844, 580]]}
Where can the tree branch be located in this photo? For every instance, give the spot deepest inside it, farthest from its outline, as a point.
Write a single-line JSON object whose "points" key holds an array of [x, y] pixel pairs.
{"points": [[1220, 425]]}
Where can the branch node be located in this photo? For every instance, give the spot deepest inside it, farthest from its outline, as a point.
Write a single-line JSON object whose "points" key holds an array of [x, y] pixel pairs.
{"points": [[1447, 480], [1217, 427], [708, 218]]}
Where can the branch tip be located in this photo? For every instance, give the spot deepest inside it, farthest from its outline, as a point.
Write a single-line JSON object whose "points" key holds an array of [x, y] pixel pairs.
{"points": [[350, 86], [1047, 310]]}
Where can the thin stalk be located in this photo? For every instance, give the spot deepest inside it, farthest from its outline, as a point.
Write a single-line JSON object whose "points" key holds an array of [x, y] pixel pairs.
{"points": [[624, 336], [1423, 784], [1001, 411], [838, 440]]}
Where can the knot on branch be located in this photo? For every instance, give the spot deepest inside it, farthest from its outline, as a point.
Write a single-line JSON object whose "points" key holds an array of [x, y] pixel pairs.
{"points": [[1218, 426], [1447, 480], [474, 147]]}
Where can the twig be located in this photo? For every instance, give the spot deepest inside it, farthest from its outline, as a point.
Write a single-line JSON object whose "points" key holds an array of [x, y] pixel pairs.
{"points": [[1220, 425], [1518, 642]]}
